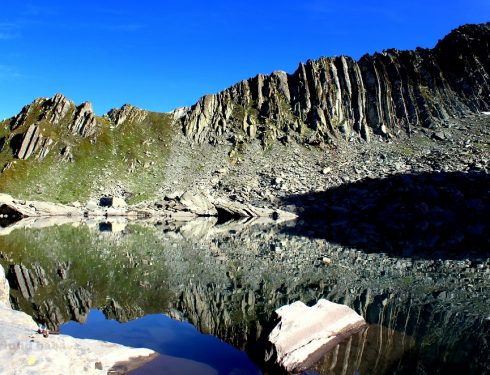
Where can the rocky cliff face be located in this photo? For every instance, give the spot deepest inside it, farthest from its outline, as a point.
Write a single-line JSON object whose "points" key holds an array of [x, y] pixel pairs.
{"points": [[324, 99], [143, 155], [44, 122]]}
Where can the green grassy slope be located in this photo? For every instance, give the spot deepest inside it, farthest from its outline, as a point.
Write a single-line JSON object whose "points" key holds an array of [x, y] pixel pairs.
{"points": [[127, 158]]}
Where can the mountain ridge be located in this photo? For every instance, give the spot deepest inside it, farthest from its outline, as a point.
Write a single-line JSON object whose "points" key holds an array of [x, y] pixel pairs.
{"points": [[58, 150], [376, 94]]}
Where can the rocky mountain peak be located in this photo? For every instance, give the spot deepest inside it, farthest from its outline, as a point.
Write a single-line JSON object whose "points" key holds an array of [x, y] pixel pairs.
{"points": [[40, 124], [84, 122], [56, 108]]}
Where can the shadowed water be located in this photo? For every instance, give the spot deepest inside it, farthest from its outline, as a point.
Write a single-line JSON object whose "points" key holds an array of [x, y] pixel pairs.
{"points": [[425, 215]]}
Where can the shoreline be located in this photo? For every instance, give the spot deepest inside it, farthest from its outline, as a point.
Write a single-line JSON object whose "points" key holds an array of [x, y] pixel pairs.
{"points": [[25, 350]]}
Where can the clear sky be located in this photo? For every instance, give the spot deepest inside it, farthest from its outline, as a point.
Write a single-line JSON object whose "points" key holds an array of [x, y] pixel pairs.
{"points": [[159, 55]]}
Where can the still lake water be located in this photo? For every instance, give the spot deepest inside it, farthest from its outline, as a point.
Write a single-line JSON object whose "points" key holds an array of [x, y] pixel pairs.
{"points": [[218, 286], [190, 350]]}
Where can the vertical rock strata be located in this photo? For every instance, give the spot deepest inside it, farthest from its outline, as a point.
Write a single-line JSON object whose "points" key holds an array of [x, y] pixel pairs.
{"points": [[33, 129], [85, 122], [381, 94]]}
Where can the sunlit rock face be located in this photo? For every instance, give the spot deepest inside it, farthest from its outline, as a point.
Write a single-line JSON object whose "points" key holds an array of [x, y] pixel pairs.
{"points": [[383, 94]]}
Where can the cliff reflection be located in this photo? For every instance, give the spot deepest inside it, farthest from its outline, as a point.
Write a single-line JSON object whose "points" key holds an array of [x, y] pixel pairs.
{"points": [[228, 279]]}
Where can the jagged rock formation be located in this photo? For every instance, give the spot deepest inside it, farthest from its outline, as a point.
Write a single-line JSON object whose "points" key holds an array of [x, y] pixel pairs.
{"points": [[84, 122], [127, 113], [29, 142], [56, 108], [381, 93], [44, 122], [144, 155]]}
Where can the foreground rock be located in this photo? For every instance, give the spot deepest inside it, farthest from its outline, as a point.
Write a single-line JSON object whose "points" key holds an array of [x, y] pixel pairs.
{"points": [[21, 208], [304, 334], [27, 352]]}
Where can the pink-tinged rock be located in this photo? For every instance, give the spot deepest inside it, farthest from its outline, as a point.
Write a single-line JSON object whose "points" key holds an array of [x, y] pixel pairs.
{"points": [[304, 334]]}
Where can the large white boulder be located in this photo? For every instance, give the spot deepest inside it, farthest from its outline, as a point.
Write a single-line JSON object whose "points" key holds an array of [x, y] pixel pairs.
{"points": [[304, 333]]}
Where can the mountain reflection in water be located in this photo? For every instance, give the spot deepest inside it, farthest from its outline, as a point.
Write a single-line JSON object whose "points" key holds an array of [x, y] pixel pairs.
{"points": [[425, 315], [185, 349]]}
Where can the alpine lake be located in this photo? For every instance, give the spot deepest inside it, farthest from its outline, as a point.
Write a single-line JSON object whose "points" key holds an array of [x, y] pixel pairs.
{"points": [[202, 294]]}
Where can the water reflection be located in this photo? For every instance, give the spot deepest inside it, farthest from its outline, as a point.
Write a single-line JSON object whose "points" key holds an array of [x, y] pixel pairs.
{"points": [[228, 279], [185, 349]]}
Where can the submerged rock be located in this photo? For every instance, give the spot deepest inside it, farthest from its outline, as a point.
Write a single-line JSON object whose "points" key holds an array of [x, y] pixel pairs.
{"points": [[304, 334]]}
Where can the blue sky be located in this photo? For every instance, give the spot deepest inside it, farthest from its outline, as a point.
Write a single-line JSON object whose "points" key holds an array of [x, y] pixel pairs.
{"points": [[159, 55]]}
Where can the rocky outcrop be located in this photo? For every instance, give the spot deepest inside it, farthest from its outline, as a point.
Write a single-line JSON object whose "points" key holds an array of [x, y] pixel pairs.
{"points": [[230, 209], [127, 113], [304, 333], [17, 208], [30, 142], [382, 94], [186, 206], [56, 108], [39, 125], [24, 114], [85, 122], [34, 143]]}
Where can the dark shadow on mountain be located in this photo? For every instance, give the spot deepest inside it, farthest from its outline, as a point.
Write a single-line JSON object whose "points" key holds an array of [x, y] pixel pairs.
{"points": [[16, 142], [427, 215]]}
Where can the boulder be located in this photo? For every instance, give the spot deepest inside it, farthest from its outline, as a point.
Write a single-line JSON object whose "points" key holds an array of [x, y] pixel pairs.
{"points": [[198, 204], [304, 334]]}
